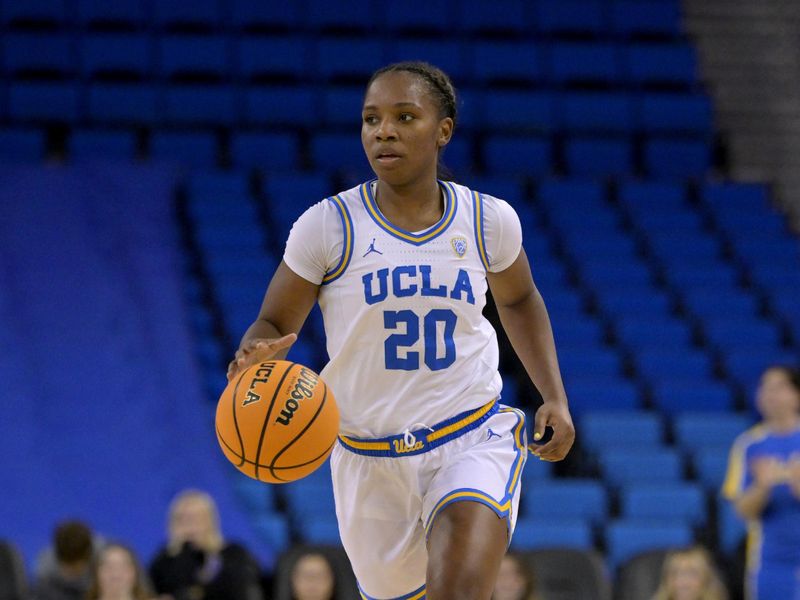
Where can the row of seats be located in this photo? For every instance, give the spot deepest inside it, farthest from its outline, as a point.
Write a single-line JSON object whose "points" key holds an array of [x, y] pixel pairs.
{"points": [[301, 108], [145, 56], [597, 17]]}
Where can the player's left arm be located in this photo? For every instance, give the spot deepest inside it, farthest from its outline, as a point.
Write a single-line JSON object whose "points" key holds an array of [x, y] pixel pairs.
{"points": [[524, 317]]}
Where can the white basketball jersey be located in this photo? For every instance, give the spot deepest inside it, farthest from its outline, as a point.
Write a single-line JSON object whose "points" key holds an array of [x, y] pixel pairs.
{"points": [[406, 336]]}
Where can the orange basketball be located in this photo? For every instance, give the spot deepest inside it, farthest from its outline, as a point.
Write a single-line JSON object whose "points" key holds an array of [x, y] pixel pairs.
{"points": [[277, 421]]}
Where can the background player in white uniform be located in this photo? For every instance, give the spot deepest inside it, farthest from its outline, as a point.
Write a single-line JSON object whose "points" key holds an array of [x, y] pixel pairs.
{"points": [[428, 460]]}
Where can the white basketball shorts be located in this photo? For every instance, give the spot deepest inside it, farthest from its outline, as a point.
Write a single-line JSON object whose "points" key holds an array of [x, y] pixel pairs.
{"points": [[388, 492]]}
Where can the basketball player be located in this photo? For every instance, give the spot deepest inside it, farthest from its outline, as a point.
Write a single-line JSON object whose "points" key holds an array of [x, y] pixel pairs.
{"points": [[426, 472], [763, 483]]}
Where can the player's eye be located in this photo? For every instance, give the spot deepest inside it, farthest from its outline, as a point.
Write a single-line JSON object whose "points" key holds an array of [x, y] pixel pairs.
{"points": [[406, 117], [370, 119]]}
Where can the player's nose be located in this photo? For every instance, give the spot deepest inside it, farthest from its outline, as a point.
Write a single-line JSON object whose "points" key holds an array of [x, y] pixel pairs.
{"points": [[385, 130]]}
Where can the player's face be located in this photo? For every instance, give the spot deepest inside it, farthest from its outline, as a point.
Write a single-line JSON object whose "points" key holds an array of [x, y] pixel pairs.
{"points": [[401, 129], [510, 581], [776, 396]]}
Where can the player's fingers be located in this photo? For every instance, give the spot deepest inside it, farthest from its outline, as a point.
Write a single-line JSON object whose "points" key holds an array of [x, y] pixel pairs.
{"points": [[276, 344], [539, 423], [558, 447]]}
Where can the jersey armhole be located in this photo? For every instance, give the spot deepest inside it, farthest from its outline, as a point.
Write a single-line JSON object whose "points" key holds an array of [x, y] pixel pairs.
{"points": [[347, 245], [477, 221]]}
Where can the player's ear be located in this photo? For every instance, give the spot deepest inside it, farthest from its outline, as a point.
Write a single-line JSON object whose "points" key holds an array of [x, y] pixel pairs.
{"points": [[445, 131]]}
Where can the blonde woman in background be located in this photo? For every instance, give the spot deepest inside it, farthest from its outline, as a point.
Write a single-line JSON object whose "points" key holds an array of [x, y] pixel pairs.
{"points": [[690, 574], [118, 575], [197, 563]]}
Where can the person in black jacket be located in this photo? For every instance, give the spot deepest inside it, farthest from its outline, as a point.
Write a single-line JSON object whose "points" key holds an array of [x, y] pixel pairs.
{"points": [[197, 563]]}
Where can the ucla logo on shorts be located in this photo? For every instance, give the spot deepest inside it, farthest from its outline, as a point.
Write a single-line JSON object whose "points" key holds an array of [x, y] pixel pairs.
{"points": [[400, 447], [459, 245]]}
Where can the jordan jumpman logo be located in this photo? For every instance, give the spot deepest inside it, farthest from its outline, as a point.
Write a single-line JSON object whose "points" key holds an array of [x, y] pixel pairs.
{"points": [[372, 249]]}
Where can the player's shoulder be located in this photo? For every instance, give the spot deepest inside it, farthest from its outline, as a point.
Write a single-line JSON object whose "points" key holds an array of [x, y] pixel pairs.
{"points": [[755, 434]]}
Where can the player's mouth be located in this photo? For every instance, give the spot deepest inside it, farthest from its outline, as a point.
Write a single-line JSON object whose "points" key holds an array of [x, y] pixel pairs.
{"points": [[387, 158]]}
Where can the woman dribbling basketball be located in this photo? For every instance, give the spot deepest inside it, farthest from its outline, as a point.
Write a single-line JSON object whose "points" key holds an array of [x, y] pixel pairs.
{"points": [[427, 469]]}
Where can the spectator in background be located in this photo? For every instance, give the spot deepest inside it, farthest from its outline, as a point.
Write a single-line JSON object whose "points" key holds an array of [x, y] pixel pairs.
{"points": [[690, 574], [763, 483], [197, 563], [313, 578], [118, 576], [515, 580], [70, 576]]}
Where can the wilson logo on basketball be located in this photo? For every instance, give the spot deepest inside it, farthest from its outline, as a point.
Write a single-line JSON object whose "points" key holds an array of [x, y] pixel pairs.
{"points": [[303, 388], [261, 376]]}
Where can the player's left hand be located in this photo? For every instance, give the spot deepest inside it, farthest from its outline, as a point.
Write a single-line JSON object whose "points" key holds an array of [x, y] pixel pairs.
{"points": [[556, 416]]}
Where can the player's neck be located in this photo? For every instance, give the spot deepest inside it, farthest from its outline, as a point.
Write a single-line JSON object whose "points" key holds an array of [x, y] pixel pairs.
{"points": [[784, 424], [414, 206]]}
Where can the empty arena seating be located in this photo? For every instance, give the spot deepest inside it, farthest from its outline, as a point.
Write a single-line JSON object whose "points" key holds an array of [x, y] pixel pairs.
{"points": [[669, 287]]}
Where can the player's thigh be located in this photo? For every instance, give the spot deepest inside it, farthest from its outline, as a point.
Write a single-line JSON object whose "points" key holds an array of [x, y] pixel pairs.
{"points": [[379, 511]]}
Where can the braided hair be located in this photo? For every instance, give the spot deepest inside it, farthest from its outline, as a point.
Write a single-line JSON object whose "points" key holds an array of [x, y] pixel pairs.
{"points": [[440, 88]]}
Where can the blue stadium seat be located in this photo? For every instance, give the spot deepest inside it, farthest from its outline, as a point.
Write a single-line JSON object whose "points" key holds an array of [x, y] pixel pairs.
{"points": [[629, 429], [40, 13], [657, 465], [727, 196], [601, 363], [532, 533], [627, 537], [339, 151], [676, 113], [458, 155], [193, 149], [676, 221], [315, 529], [727, 333], [520, 111], [200, 14], [515, 155], [644, 300], [342, 105], [645, 197], [257, 15], [567, 499], [341, 17], [507, 61], [263, 57], [746, 363], [126, 54], [313, 497], [39, 101], [577, 328], [646, 18], [353, 57], [718, 429], [583, 63], [279, 105], [599, 157], [594, 393], [22, 145], [43, 54], [597, 112], [683, 394], [273, 530], [200, 105], [267, 151], [571, 16], [594, 252], [599, 275], [702, 274], [648, 64], [707, 302], [675, 247], [113, 103], [665, 158], [193, 55], [557, 195], [501, 17], [657, 363], [121, 14], [430, 17], [447, 54], [535, 472], [710, 465], [120, 144], [257, 497], [669, 502], [569, 223], [289, 195]]}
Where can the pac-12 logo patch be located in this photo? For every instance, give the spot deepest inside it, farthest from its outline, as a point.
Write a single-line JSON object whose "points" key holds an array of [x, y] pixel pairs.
{"points": [[459, 245]]}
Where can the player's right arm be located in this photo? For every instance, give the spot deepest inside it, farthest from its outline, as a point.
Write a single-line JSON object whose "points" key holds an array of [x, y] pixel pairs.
{"points": [[287, 303]]}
